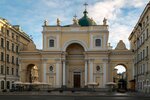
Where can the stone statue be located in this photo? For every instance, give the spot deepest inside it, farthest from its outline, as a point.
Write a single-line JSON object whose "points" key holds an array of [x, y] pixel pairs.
{"points": [[45, 22], [58, 22], [75, 21], [104, 21], [34, 74], [92, 20]]}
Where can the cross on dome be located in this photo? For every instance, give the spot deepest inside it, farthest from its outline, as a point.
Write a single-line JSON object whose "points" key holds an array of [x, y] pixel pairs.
{"points": [[75, 16], [85, 4]]}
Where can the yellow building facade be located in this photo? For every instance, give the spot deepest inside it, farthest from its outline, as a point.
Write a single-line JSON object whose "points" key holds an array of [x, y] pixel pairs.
{"points": [[12, 40], [75, 55], [140, 45]]}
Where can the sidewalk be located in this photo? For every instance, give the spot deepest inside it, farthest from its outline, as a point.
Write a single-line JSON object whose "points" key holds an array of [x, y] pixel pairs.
{"points": [[69, 93]]}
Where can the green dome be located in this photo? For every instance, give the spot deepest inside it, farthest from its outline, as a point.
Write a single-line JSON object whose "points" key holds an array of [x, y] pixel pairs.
{"points": [[86, 21]]}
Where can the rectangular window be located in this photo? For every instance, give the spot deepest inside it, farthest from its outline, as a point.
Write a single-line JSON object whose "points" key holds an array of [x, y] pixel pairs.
{"points": [[17, 74], [7, 70], [12, 47], [8, 58], [13, 35], [13, 60], [147, 51], [147, 34], [7, 32], [12, 71], [7, 45], [17, 49], [140, 55], [98, 42], [2, 56], [143, 68], [2, 42], [17, 63], [143, 53], [2, 69], [51, 43]]}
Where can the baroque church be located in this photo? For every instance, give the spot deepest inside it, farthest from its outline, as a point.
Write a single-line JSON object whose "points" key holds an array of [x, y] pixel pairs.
{"points": [[74, 55]]}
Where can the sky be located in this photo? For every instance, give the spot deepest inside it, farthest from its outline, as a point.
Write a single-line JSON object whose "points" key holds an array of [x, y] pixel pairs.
{"points": [[122, 15], [120, 69]]}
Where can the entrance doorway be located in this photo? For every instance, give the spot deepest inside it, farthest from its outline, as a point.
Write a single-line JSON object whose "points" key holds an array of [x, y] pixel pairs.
{"points": [[75, 65], [77, 80], [120, 77]]}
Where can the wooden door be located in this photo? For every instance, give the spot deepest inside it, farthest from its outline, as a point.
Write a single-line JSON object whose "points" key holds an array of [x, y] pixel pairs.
{"points": [[77, 80]]}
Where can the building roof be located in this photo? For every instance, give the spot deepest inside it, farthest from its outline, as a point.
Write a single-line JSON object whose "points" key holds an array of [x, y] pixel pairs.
{"points": [[85, 20], [121, 46]]}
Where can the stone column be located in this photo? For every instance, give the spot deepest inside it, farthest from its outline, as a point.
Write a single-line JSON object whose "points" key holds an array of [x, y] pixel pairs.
{"points": [[105, 41], [64, 73], [44, 71], [86, 71], [57, 73], [20, 69], [91, 70], [104, 74]]}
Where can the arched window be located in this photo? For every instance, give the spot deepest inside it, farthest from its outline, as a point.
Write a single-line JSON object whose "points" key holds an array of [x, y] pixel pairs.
{"points": [[8, 85], [2, 84], [98, 42], [51, 43], [51, 68]]}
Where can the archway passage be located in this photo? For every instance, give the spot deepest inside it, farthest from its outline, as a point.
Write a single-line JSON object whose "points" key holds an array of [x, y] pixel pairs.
{"points": [[32, 73], [75, 65], [120, 76]]}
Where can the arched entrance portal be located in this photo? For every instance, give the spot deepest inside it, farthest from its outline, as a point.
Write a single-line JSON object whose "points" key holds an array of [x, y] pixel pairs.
{"points": [[32, 73], [120, 76], [75, 65]]}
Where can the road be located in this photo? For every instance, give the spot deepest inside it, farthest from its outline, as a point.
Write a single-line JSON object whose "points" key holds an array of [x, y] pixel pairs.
{"points": [[48, 97]]}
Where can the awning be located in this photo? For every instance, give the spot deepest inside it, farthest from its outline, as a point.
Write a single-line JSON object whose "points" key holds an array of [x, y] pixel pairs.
{"points": [[110, 83], [93, 83], [17, 82]]}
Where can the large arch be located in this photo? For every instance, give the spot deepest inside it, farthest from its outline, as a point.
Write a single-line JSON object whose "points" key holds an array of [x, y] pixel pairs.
{"points": [[75, 65], [82, 43], [120, 76], [32, 73]]}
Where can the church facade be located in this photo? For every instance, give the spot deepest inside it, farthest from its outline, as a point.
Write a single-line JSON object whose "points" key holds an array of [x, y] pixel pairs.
{"points": [[75, 55]]}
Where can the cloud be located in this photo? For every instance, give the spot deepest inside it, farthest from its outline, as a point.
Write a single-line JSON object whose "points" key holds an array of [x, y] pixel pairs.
{"points": [[122, 15], [135, 3]]}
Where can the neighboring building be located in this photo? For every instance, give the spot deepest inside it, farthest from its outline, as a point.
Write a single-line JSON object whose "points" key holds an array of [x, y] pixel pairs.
{"points": [[74, 55], [140, 45], [12, 40]]}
